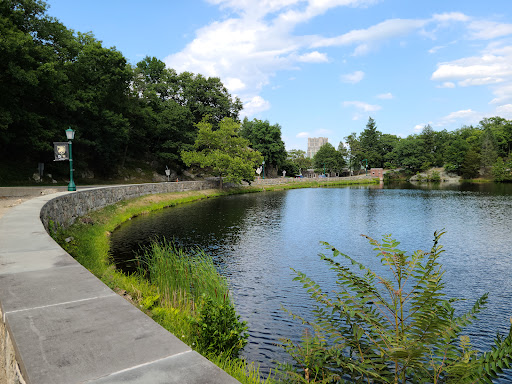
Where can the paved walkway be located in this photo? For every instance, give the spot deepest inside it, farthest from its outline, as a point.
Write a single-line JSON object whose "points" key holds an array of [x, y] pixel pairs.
{"points": [[67, 327], [13, 196]]}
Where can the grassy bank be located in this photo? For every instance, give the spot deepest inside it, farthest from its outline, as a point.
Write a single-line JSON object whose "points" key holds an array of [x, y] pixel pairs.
{"points": [[88, 242]]}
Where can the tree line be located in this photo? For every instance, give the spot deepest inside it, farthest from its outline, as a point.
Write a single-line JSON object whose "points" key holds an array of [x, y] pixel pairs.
{"points": [[53, 78], [468, 151]]}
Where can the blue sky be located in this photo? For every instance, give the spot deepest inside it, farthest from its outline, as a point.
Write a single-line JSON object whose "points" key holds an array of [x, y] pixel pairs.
{"points": [[322, 67]]}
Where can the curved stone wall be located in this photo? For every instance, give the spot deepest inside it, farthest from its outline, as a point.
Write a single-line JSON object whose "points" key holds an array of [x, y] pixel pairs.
{"points": [[60, 324]]}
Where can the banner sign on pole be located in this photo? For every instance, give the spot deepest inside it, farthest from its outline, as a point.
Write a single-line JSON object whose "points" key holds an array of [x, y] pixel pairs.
{"points": [[61, 151]]}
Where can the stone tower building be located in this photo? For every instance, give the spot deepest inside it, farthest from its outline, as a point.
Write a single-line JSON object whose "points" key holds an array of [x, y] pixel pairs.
{"points": [[314, 144]]}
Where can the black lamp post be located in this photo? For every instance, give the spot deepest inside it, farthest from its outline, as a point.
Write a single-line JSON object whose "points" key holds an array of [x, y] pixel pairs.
{"points": [[263, 166], [70, 134]]}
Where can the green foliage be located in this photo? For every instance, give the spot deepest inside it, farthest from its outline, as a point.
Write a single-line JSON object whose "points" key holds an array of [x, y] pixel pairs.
{"points": [[266, 139], [223, 152], [435, 177], [502, 171], [396, 327], [471, 165], [182, 278], [329, 158], [243, 371], [298, 157], [218, 329], [371, 146]]}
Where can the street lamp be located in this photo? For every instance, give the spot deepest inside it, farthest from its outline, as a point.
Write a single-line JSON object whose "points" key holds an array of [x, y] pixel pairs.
{"points": [[366, 167], [70, 134], [324, 169], [263, 167]]}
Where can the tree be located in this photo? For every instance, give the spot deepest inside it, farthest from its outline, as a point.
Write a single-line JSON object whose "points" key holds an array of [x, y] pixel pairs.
{"points": [[223, 152], [34, 88], [371, 146], [298, 157], [502, 171], [355, 156], [454, 155], [488, 151], [471, 165], [203, 96], [328, 158], [266, 139], [101, 78], [410, 153], [392, 328]]}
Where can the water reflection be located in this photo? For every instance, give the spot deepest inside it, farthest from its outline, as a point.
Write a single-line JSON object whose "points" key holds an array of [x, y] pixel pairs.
{"points": [[257, 238]]}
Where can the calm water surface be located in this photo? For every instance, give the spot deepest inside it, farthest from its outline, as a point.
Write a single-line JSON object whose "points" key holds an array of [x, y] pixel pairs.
{"points": [[257, 238]]}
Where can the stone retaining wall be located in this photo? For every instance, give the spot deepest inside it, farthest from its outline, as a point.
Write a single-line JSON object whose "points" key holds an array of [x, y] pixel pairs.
{"points": [[66, 209]]}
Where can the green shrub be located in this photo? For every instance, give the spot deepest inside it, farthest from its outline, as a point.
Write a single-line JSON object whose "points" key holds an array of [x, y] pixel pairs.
{"points": [[397, 328], [435, 177], [218, 329]]}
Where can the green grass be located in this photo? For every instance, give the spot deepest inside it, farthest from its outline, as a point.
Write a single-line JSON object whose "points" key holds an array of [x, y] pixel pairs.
{"points": [[182, 278]]}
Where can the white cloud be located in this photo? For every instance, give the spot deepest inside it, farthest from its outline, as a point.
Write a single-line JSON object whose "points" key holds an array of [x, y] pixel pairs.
{"points": [[492, 68], [475, 70], [234, 84], [503, 93], [451, 16], [366, 39], [361, 108], [466, 116], [436, 48], [504, 111], [487, 30], [313, 57], [255, 105], [353, 78], [385, 96], [302, 135], [365, 107]]}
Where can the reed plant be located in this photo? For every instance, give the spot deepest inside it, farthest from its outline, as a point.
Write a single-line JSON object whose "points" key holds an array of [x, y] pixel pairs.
{"points": [[188, 281], [182, 277]]}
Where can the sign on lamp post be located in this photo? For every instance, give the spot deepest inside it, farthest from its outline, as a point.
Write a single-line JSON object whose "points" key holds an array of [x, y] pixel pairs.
{"points": [[70, 134]]}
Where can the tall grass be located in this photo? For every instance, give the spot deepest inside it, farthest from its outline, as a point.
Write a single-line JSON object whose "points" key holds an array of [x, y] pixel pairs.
{"points": [[182, 277]]}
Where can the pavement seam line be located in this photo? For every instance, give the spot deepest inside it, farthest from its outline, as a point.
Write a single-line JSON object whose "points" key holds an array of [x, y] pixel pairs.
{"points": [[57, 304], [140, 365]]}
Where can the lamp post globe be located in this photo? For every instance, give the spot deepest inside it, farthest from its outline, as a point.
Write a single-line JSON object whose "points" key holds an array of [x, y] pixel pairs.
{"points": [[263, 167], [70, 135]]}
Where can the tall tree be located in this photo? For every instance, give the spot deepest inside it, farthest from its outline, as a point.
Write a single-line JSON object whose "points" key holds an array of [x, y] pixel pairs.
{"points": [[371, 146], [298, 157], [266, 139], [101, 78], [355, 153], [329, 158], [222, 152], [35, 50]]}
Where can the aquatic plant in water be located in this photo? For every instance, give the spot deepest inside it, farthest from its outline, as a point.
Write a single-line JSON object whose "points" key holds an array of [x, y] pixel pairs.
{"points": [[398, 328]]}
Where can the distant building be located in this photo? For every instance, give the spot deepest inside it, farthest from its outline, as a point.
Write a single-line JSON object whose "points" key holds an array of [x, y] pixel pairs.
{"points": [[377, 172], [314, 144]]}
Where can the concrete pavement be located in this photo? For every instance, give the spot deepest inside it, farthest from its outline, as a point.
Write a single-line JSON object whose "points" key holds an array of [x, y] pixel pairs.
{"points": [[67, 327]]}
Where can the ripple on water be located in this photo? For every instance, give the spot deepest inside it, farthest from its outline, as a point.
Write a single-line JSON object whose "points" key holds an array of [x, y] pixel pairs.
{"points": [[257, 238]]}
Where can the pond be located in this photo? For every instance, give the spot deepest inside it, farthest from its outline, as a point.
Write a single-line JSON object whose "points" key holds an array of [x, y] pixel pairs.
{"points": [[257, 238]]}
